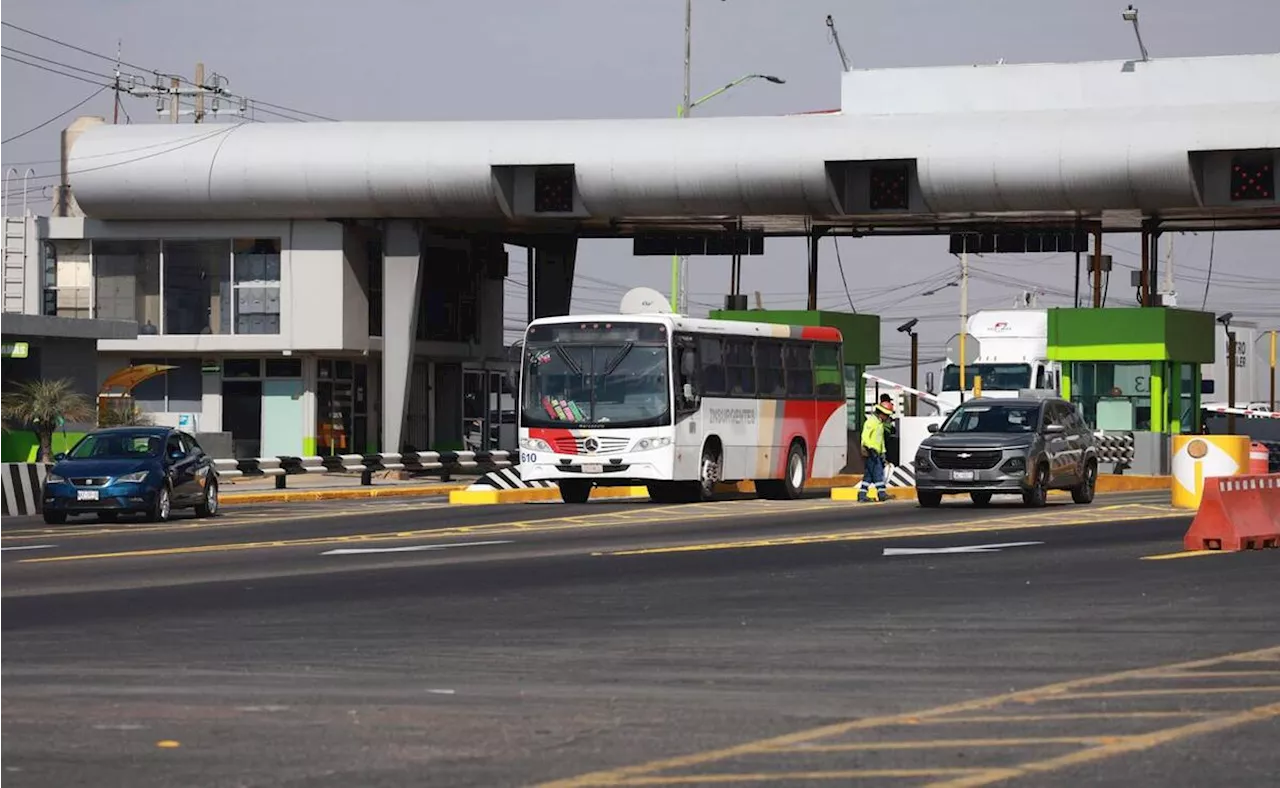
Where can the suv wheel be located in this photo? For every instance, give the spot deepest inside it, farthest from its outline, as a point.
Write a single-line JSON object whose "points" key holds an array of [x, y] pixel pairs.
{"points": [[929, 500], [1038, 495], [1083, 492]]}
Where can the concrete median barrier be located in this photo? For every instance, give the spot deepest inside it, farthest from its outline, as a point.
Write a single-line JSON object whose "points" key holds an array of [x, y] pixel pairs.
{"points": [[1237, 513]]}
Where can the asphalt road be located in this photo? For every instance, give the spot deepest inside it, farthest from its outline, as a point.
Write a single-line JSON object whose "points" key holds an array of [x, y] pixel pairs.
{"points": [[731, 643]]}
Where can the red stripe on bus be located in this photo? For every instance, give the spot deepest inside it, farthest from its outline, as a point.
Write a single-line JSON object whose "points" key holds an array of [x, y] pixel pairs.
{"points": [[560, 440], [820, 332], [804, 419]]}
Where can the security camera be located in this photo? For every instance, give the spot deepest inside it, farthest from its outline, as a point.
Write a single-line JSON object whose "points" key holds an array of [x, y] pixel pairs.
{"points": [[907, 326], [1226, 318], [1130, 14]]}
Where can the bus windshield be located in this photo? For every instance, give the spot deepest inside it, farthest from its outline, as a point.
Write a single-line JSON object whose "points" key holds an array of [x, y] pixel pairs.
{"points": [[596, 375], [995, 377]]}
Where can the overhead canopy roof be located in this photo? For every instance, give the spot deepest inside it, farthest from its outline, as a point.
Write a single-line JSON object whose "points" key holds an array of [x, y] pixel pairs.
{"points": [[1071, 146]]}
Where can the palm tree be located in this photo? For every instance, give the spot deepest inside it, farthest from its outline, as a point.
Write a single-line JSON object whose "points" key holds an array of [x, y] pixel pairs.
{"points": [[44, 405]]}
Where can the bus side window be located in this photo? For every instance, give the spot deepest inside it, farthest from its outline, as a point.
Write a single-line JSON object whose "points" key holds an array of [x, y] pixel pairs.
{"points": [[1039, 376], [711, 356], [686, 372]]}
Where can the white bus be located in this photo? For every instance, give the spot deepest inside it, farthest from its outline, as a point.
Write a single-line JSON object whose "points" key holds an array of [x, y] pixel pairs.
{"points": [[680, 404]]}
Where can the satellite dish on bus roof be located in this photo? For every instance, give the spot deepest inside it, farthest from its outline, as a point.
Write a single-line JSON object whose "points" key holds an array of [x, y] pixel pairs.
{"points": [[644, 301]]}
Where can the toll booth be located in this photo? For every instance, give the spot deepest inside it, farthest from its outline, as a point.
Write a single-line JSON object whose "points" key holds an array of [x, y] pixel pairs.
{"points": [[1133, 369], [861, 335]]}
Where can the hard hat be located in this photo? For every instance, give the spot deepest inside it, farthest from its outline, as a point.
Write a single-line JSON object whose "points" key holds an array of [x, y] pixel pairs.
{"points": [[885, 407]]}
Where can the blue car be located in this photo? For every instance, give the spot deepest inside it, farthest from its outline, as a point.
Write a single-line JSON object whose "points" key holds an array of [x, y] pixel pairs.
{"points": [[131, 470]]}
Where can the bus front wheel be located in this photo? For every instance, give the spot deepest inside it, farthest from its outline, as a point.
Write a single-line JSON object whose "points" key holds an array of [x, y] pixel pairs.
{"points": [[573, 491]]}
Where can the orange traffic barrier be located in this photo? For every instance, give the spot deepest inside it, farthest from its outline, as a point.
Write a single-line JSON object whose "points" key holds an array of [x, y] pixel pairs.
{"points": [[1237, 513], [1259, 458]]}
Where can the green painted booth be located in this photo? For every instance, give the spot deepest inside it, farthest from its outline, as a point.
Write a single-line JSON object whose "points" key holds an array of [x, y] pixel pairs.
{"points": [[1133, 369]]}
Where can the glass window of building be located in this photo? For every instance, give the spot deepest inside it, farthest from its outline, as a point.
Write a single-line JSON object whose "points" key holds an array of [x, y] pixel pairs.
{"points": [[196, 285], [257, 285], [127, 282], [68, 279], [179, 390]]}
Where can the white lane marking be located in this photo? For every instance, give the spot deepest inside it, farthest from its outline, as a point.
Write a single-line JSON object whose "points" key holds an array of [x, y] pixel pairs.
{"points": [[441, 691], [976, 548], [411, 548], [30, 547]]}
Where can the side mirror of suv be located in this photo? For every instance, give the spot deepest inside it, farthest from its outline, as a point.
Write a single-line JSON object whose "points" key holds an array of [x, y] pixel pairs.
{"points": [[932, 428]]}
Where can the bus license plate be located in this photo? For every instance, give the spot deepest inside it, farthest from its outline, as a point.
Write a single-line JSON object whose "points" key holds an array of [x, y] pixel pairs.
{"points": [[593, 469], [962, 476], [86, 495]]}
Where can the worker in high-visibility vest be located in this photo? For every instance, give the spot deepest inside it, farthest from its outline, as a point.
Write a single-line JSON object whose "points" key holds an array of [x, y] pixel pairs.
{"points": [[873, 453]]}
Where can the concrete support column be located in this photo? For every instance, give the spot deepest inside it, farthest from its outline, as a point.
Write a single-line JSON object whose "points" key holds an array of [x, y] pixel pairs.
{"points": [[553, 274], [1175, 398], [1157, 397], [401, 277]]}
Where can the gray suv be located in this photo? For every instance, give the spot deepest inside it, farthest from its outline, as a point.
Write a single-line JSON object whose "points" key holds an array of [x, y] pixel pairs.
{"points": [[1026, 447]]}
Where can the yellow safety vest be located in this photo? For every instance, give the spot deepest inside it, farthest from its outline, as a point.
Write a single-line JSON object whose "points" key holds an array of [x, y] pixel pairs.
{"points": [[873, 434]]}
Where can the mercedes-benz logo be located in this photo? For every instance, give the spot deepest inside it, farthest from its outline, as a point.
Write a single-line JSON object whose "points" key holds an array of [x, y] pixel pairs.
{"points": [[591, 445]]}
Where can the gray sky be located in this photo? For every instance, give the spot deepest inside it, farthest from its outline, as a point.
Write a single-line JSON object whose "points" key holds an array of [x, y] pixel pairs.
{"points": [[492, 59]]}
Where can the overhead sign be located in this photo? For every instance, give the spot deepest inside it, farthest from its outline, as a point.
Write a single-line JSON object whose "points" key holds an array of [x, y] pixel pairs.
{"points": [[735, 242], [16, 349], [1020, 241]]}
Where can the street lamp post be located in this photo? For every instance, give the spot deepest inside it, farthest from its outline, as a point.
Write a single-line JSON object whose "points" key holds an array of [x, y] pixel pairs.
{"points": [[686, 106]]}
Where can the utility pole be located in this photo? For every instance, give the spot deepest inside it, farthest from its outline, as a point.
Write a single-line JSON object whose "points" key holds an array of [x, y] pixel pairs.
{"points": [[1273, 370], [115, 111], [964, 310], [173, 99], [199, 116], [1097, 267], [1231, 381]]}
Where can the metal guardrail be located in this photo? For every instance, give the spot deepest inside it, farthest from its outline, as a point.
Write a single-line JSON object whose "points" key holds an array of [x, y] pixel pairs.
{"points": [[445, 463]]}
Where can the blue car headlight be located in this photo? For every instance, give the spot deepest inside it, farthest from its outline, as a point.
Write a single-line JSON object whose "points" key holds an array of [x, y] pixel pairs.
{"points": [[54, 478], [136, 477]]}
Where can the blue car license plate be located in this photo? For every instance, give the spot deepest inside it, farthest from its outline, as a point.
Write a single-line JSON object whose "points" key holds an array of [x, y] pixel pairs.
{"points": [[86, 495]]}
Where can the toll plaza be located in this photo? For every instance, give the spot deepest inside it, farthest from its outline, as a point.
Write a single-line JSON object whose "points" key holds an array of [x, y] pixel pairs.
{"points": [[861, 335]]}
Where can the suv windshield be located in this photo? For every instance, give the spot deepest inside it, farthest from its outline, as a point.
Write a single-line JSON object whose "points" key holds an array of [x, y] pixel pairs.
{"points": [[993, 418], [995, 377], [601, 375], [122, 445]]}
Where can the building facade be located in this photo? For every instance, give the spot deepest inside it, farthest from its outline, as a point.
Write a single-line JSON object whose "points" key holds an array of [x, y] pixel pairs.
{"points": [[274, 329]]}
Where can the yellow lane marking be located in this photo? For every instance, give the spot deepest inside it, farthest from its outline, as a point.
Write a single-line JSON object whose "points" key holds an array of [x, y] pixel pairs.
{"points": [[1183, 554], [1152, 693], [1217, 674], [625, 775], [1127, 745], [767, 777], [224, 521], [1108, 514], [687, 513], [937, 744], [1070, 717]]}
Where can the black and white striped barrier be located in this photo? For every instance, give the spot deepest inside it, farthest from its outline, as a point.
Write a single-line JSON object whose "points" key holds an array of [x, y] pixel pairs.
{"points": [[23, 487], [508, 479], [444, 463]]}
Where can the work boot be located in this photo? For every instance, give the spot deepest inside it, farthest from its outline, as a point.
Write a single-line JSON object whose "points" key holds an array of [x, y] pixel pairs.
{"points": [[862, 497]]}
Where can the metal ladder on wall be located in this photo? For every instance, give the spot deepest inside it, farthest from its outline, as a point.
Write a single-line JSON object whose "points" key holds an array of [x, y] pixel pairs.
{"points": [[15, 246]]}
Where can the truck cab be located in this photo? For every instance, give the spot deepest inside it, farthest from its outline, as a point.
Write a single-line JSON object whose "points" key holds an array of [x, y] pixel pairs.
{"points": [[1012, 358]]}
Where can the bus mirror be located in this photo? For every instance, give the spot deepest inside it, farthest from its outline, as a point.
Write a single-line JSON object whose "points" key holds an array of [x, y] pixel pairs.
{"points": [[928, 382]]}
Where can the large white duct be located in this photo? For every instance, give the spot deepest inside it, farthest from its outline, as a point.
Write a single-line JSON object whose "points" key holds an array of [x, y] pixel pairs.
{"points": [[983, 162]]}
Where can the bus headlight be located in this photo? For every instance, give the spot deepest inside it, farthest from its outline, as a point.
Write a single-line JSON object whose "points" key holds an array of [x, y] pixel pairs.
{"points": [[534, 444], [645, 444]]}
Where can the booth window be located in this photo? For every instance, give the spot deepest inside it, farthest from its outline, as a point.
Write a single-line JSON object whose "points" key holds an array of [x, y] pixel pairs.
{"points": [[1113, 395]]}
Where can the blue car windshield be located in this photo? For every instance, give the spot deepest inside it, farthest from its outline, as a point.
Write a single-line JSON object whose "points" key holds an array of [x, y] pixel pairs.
{"points": [[118, 445]]}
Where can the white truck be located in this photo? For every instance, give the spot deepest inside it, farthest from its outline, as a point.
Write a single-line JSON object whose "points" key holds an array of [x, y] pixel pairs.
{"points": [[1012, 357]]}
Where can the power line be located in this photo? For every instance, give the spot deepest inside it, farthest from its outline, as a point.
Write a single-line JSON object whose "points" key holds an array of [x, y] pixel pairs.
{"points": [[73, 108], [76, 77], [117, 62], [58, 63]]}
